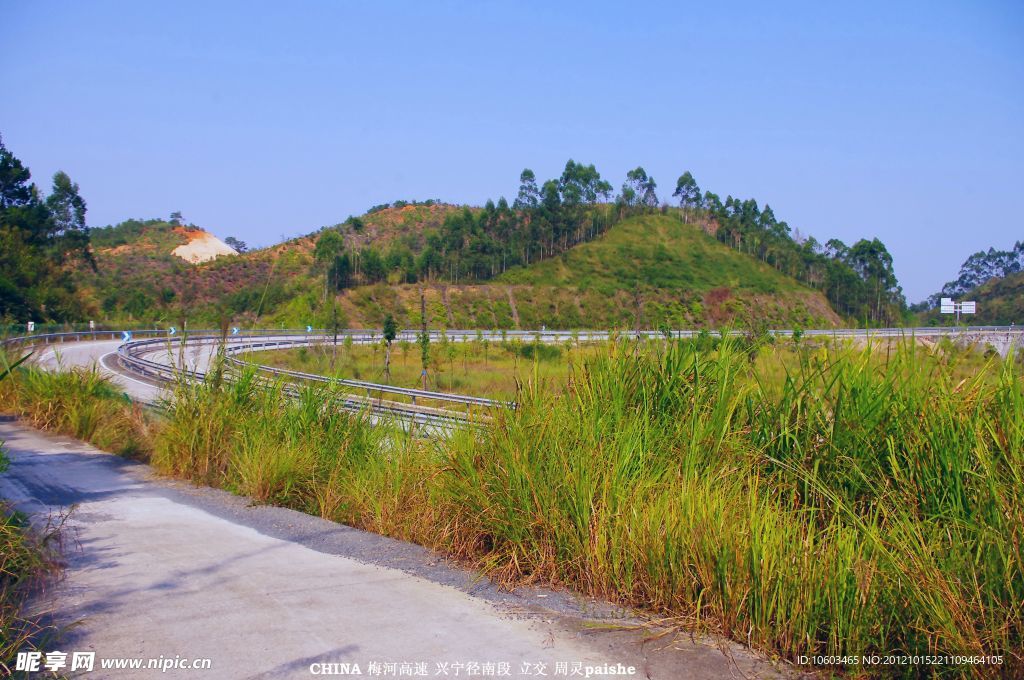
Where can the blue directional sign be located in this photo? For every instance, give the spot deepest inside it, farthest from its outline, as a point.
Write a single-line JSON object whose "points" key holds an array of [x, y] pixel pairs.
{"points": [[234, 331], [309, 329], [172, 330], [126, 336]]}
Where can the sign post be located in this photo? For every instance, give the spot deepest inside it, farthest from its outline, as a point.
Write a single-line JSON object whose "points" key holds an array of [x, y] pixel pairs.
{"points": [[947, 306]]}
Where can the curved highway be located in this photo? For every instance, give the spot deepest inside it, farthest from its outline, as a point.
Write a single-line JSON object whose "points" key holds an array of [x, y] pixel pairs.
{"points": [[142, 366]]}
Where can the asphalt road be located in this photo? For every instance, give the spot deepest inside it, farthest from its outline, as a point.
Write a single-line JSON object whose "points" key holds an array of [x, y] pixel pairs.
{"points": [[161, 569], [99, 354]]}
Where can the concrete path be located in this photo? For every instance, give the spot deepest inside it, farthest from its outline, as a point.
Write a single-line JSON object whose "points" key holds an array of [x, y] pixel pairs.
{"points": [[157, 568]]}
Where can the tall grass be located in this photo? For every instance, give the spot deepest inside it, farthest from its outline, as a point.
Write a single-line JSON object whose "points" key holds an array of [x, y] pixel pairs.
{"points": [[867, 504], [78, 402], [298, 449], [27, 559], [813, 500], [861, 501]]}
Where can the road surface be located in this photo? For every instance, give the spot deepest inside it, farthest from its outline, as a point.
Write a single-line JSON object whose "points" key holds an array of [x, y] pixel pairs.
{"points": [[101, 355]]}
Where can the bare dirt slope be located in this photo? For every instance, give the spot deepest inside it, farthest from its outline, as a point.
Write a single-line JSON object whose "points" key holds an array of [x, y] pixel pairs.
{"points": [[202, 246]]}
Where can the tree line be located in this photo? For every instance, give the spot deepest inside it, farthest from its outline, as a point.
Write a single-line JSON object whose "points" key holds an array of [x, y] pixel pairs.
{"points": [[977, 269], [39, 236], [547, 218]]}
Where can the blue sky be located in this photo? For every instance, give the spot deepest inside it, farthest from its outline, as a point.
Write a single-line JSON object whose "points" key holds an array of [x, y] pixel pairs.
{"points": [[903, 121]]}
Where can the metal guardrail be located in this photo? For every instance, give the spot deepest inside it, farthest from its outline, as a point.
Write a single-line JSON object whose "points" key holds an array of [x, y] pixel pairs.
{"points": [[128, 352], [449, 397], [103, 335], [491, 335], [128, 355], [301, 338]]}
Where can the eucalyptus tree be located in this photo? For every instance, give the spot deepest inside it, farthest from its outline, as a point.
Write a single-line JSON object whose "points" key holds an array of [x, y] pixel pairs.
{"points": [[688, 194], [639, 189]]}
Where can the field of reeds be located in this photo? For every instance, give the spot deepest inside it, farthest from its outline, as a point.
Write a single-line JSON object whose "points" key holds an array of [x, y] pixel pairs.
{"points": [[805, 500]]}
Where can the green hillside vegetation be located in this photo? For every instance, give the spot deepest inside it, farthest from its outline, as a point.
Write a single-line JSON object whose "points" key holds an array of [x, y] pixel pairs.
{"points": [[139, 279], [992, 278], [155, 235], [649, 271], [653, 251], [563, 254], [1000, 303]]}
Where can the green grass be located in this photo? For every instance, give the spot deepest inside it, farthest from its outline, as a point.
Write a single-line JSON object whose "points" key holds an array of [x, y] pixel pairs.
{"points": [[27, 558], [801, 499], [294, 451], [80, 403], [873, 504], [812, 501], [652, 252], [494, 369]]}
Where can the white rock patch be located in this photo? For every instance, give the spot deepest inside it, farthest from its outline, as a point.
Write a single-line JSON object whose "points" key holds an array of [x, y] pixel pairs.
{"points": [[203, 247]]}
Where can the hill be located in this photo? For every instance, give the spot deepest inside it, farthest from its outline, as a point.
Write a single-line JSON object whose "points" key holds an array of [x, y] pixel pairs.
{"points": [[156, 238], [994, 279], [1000, 303], [562, 254], [647, 271], [143, 266], [654, 270]]}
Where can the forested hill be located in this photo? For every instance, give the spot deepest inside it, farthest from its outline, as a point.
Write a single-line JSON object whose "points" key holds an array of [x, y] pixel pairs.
{"points": [[992, 278], [1000, 300], [977, 270], [649, 270], [567, 252]]}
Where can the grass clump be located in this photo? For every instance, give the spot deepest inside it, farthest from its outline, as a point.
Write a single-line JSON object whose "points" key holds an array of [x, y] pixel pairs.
{"points": [[296, 448], [79, 402], [27, 559]]}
